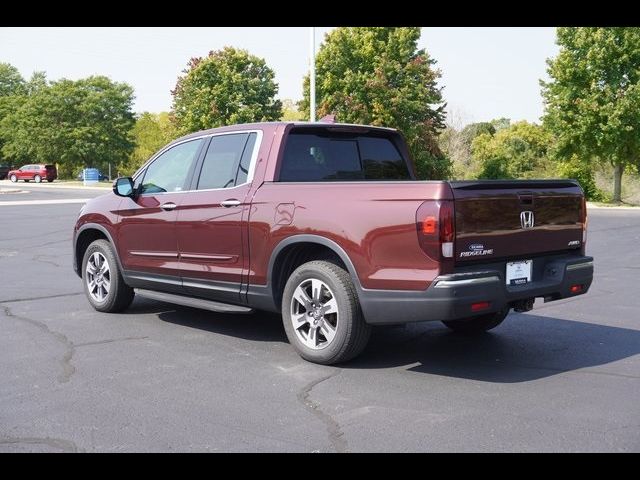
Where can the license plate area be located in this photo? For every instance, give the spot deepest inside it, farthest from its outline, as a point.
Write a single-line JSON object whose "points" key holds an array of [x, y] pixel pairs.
{"points": [[518, 273]]}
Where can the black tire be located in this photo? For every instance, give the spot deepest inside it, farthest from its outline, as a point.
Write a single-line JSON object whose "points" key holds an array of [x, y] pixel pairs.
{"points": [[120, 295], [13, 179], [37, 178], [351, 331], [478, 324]]}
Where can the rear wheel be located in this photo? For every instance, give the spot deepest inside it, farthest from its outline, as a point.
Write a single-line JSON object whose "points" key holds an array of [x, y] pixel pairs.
{"points": [[37, 179], [478, 324], [321, 314], [103, 282], [13, 178]]}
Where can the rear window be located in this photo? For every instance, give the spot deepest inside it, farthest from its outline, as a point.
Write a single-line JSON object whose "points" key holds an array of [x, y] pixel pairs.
{"points": [[313, 157]]}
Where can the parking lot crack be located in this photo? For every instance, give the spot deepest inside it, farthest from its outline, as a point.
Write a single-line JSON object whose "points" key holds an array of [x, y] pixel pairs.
{"points": [[46, 297], [336, 435], [109, 340], [42, 258], [67, 367], [57, 443]]}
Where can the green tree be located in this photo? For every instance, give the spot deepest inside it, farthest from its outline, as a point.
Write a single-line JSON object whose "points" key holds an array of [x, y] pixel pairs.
{"points": [[12, 89], [11, 82], [471, 131], [37, 82], [520, 150], [150, 133], [593, 98], [377, 76], [290, 111], [229, 86], [72, 123], [500, 123]]}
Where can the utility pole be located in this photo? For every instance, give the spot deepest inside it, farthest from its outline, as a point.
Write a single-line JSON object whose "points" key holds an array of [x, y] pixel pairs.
{"points": [[312, 76]]}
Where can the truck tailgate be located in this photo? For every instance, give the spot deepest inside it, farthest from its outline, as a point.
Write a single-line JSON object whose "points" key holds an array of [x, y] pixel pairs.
{"points": [[516, 219]]}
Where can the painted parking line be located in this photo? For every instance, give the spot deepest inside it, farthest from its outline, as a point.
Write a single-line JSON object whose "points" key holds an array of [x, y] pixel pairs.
{"points": [[44, 202]]}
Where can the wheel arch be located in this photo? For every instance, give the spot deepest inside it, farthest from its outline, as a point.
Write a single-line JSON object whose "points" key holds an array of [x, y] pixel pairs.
{"points": [[286, 257], [87, 234]]}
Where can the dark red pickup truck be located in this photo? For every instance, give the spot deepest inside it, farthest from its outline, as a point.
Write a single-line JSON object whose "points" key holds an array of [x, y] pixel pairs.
{"points": [[327, 224]]}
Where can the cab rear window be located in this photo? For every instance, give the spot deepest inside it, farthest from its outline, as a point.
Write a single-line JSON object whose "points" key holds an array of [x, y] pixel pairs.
{"points": [[319, 157]]}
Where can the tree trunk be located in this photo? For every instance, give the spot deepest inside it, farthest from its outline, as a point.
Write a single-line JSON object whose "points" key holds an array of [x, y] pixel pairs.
{"points": [[617, 182]]}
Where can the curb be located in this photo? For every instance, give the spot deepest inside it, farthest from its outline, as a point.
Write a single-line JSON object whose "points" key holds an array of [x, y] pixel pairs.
{"points": [[54, 185], [625, 209]]}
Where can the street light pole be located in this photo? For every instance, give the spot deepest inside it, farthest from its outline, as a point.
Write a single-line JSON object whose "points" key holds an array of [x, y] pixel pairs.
{"points": [[312, 76]]}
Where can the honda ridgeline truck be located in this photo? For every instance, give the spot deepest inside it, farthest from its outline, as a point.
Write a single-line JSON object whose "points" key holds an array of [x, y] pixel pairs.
{"points": [[327, 224]]}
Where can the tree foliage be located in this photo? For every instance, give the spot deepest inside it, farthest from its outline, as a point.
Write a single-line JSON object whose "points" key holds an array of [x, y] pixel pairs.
{"points": [[150, 133], [593, 98], [518, 151], [456, 144], [290, 111], [228, 86], [71, 123], [12, 88], [11, 82], [471, 131], [377, 76]]}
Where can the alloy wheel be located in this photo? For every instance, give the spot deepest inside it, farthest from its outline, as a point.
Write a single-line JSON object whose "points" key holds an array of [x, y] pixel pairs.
{"points": [[98, 276], [314, 313]]}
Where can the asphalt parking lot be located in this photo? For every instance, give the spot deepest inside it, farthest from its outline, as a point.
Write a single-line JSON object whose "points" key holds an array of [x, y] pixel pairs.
{"points": [[563, 377]]}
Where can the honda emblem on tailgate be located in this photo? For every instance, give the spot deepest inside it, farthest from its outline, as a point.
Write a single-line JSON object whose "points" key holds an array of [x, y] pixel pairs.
{"points": [[526, 219]]}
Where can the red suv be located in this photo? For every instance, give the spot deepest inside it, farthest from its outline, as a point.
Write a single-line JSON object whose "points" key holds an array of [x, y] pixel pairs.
{"points": [[37, 173]]}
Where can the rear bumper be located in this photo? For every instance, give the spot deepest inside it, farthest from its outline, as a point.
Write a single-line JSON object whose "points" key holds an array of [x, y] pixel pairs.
{"points": [[450, 297]]}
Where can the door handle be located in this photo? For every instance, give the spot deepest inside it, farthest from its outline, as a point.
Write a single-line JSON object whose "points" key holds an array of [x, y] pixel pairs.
{"points": [[168, 206], [230, 203]]}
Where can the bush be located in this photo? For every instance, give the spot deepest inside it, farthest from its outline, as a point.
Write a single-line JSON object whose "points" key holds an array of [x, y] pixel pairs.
{"points": [[581, 171]]}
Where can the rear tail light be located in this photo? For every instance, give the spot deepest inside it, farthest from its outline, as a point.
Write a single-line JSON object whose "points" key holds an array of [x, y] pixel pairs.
{"points": [[575, 288], [435, 222], [584, 224], [447, 228]]}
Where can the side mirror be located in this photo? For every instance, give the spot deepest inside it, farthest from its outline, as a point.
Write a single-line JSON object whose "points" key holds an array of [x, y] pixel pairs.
{"points": [[123, 187]]}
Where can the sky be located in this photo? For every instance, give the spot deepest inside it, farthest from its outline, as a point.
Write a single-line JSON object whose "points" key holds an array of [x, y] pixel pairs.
{"points": [[487, 72]]}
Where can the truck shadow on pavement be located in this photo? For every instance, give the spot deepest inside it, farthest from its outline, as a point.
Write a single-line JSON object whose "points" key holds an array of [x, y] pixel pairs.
{"points": [[525, 347], [259, 327]]}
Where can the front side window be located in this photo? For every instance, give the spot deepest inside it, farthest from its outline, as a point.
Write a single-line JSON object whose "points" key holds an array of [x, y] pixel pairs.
{"points": [[227, 161], [168, 172]]}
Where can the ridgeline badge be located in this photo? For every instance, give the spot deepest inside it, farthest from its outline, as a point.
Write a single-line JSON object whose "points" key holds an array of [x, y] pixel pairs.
{"points": [[476, 250]]}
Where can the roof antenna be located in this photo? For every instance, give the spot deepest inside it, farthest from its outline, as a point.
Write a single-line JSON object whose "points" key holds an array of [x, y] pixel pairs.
{"points": [[328, 119]]}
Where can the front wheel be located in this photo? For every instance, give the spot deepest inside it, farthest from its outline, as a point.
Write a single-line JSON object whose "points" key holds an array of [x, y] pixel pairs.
{"points": [[103, 282], [478, 324], [321, 314], [13, 178], [37, 179]]}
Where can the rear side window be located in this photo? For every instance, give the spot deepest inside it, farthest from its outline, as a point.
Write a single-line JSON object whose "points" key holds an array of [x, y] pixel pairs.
{"points": [[312, 157], [225, 164]]}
